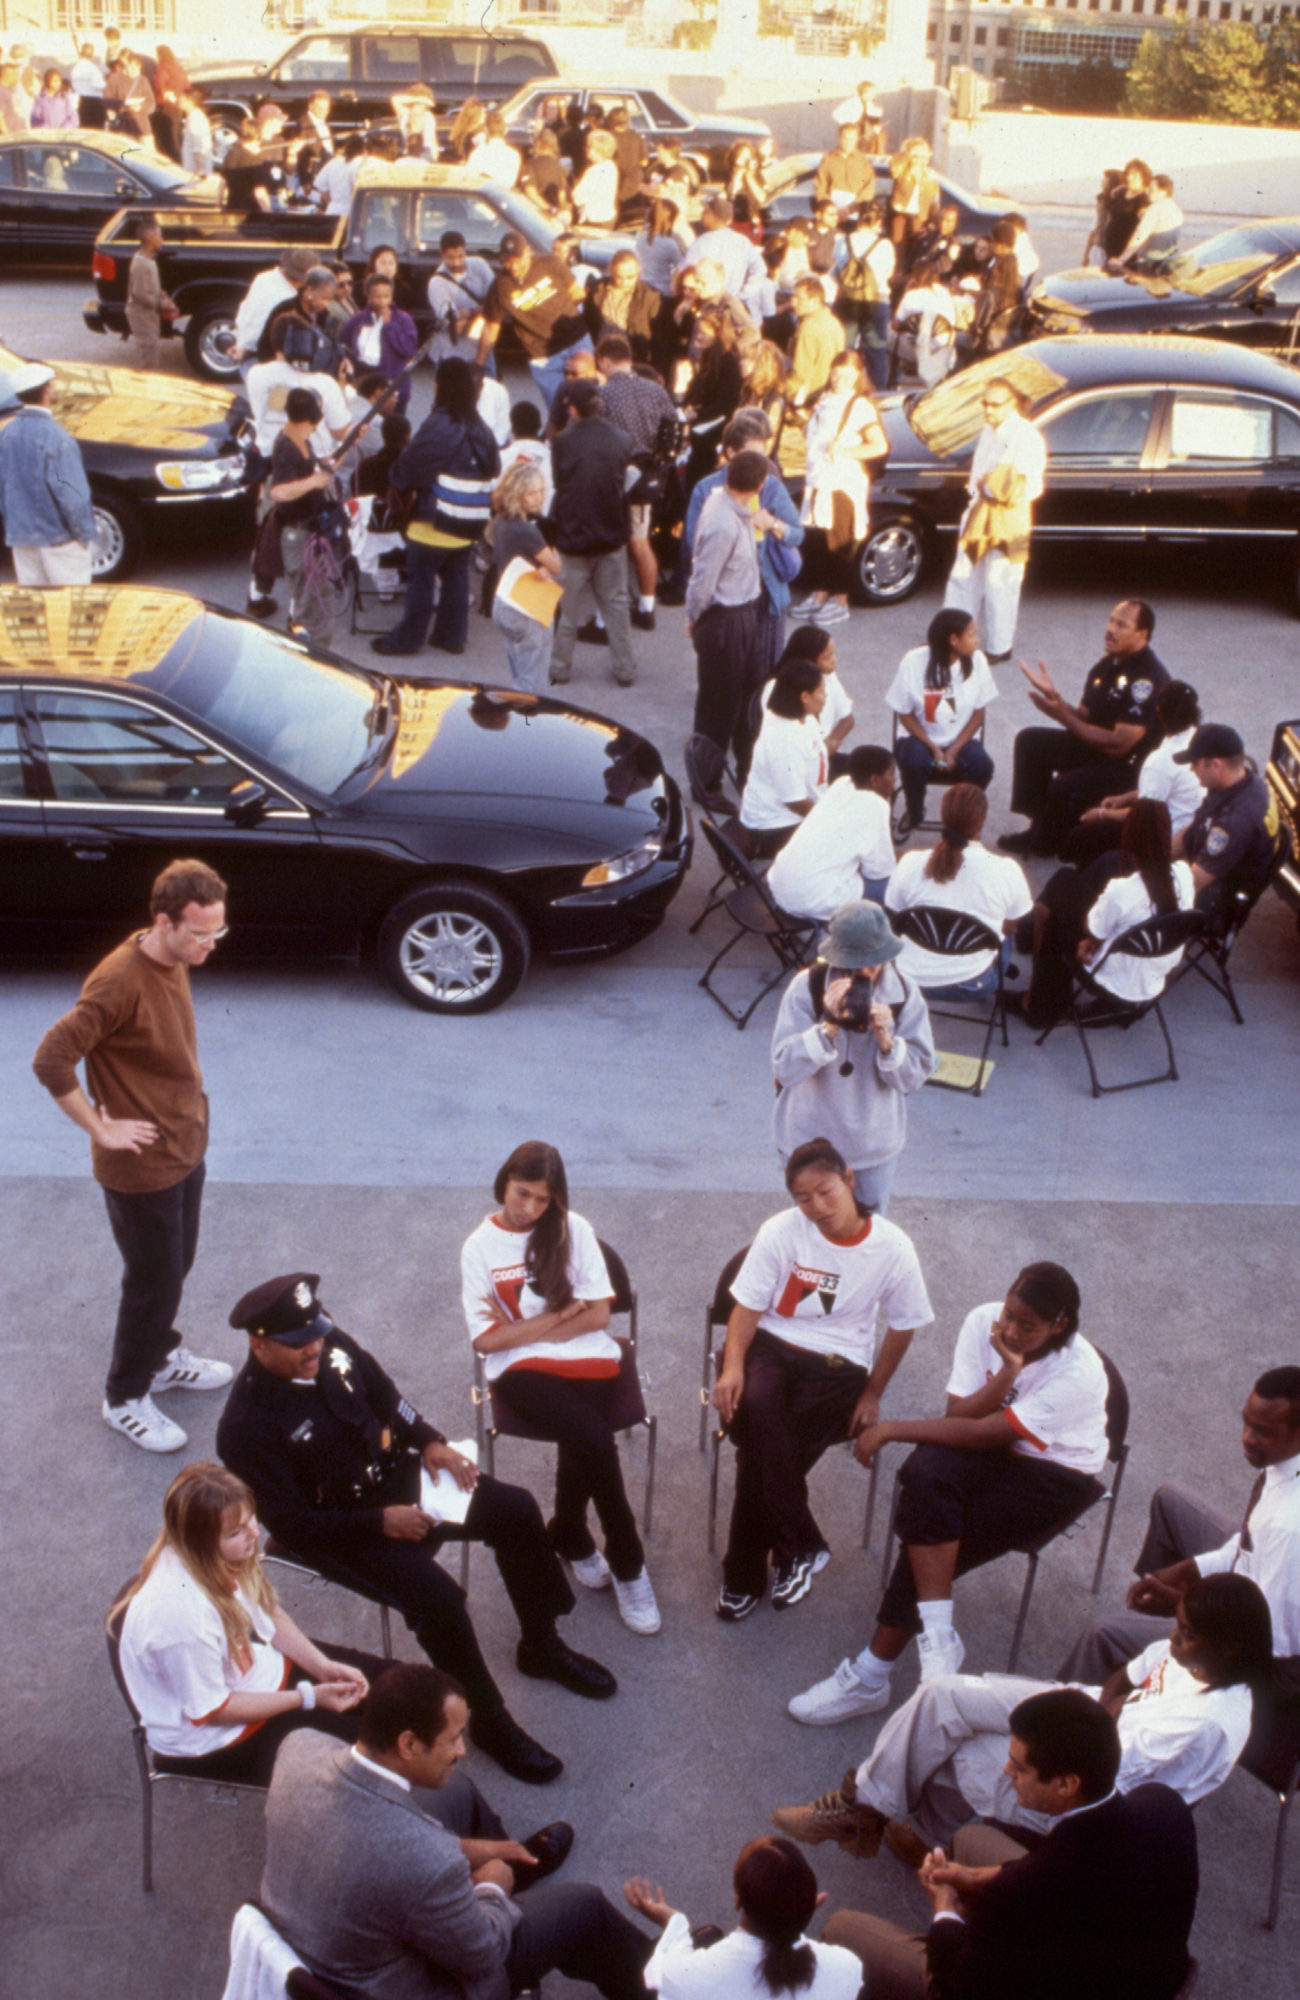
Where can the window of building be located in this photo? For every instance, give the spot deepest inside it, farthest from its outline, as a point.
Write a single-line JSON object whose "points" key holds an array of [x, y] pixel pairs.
{"points": [[981, 37], [1004, 38], [954, 35]]}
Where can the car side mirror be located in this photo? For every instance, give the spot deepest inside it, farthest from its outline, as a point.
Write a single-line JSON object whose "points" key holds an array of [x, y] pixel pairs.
{"points": [[126, 191], [247, 802]]}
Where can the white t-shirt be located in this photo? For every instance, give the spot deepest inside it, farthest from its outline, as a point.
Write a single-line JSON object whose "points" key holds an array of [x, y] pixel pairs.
{"points": [[729, 1970], [176, 1666], [1056, 1406], [494, 408], [942, 712], [991, 887], [789, 764], [336, 181], [531, 451], [595, 193], [494, 1265], [839, 703], [1121, 904], [497, 159], [824, 1296], [1175, 1731], [1176, 784], [268, 386], [843, 844]]}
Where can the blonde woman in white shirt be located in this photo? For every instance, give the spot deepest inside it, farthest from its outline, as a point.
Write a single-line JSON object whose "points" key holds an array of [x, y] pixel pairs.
{"points": [[788, 772], [216, 1668], [537, 1297], [960, 874]]}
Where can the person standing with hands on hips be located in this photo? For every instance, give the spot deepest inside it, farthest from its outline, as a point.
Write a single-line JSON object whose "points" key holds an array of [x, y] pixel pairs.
{"points": [[1006, 477], [147, 1119]]}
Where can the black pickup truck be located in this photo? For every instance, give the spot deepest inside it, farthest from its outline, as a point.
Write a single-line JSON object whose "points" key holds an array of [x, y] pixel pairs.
{"points": [[208, 262]]}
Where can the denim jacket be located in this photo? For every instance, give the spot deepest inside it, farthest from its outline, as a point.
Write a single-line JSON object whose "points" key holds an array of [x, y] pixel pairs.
{"points": [[44, 493]]}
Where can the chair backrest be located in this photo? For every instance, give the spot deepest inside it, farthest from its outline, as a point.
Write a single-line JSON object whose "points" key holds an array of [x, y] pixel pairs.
{"points": [[1157, 935], [707, 773], [113, 1640], [1117, 1407], [948, 933], [722, 1303], [734, 865], [624, 1300]]}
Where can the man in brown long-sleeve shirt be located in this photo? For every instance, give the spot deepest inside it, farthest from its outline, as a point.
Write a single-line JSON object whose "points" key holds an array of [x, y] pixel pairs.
{"points": [[147, 1118]]}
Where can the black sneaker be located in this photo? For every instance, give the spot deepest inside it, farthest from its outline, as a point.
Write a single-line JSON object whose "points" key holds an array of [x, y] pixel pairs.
{"points": [[593, 634], [261, 607], [500, 1737], [733, 1605], [643, 620], [792, 1582], [550, 1659]]}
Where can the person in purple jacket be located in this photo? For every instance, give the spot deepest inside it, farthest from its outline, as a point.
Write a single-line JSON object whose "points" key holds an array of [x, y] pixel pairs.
{"points": [[381, 336]]}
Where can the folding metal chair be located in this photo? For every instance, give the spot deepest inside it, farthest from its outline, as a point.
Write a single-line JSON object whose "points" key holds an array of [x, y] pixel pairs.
{"points": [[1104, 1009], [286, 1559], [754, 913], [901, 825], [716, 791], [954, 934], [1273, 1756], [627, 1413], [1099, 1492], [1223, 922]]}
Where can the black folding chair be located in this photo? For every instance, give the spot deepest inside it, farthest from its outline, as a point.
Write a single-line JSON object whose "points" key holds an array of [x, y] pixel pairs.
{"points": [[1094, 1006], [1098, 1492], [955, 934], [1223, 918], [627, 1410], [715, 789], [1272, 1755], [901, 825], [754, 913]]}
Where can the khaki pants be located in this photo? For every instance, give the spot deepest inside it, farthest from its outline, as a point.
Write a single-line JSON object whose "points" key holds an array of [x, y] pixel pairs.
{"points": [[68, 562], [894, 1959], [146, 328]]}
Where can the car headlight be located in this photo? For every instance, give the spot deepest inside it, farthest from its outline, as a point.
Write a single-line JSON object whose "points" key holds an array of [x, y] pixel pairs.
{"points": [[634, 862], [200, 475]]}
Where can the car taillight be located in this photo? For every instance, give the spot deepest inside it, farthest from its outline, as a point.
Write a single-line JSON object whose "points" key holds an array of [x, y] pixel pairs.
{"points": [[103, 267]]}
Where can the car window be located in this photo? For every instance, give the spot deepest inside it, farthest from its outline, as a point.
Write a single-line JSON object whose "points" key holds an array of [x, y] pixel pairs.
{"points": [[103, 749], [480, 225], [11, 767], [1286, 442], [1284, 286], [380, 222], [1219, 429], [1109, 429], [8, 173], [496, 59], [605, 101], [390, 58], [321, 59], [666, 116], [71, 170]]}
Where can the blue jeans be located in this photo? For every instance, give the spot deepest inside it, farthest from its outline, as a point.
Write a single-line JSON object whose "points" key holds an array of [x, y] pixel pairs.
{"points": [[423, 565], [982, 988], [974, 766], [873, 327], [549, 372], [528, 647]]}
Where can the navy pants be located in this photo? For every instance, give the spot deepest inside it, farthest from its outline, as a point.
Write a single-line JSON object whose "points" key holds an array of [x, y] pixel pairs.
{"points": [[423, 565], [573, 1414], [916, 767], [157, 1234]]}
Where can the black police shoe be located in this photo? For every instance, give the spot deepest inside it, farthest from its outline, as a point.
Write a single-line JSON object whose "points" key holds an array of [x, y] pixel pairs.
{"points": [[500, 1737], [550, 1659], [549, 1847]]}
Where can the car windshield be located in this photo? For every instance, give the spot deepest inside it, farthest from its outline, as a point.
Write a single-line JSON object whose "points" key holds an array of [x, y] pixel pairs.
{"points": [[520, 214], [949, 418], [160, 173], [309, 719], [1217, 267]]}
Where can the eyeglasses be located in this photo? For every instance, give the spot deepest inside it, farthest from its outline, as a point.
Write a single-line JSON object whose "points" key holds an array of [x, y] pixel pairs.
{"points": [[205, 937]]}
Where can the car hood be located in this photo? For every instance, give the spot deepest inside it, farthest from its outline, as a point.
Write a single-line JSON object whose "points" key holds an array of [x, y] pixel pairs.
{"points": [[126, 406], [530, 754]]}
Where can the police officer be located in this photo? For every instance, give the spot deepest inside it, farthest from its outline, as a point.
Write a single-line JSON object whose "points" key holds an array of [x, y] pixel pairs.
{"points": [[337, 1458], [1235, 827], [1094, 749]]}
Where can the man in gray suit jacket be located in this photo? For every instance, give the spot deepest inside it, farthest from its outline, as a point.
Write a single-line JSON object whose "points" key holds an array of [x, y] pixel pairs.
{"points": [[369, 1888]]}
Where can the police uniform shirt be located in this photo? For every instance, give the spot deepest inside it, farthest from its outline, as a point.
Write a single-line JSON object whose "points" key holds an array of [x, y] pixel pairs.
{"points": [[1233, 828], [818, 1293], [323, 1457], [1124, 691], [1056, 1406]]}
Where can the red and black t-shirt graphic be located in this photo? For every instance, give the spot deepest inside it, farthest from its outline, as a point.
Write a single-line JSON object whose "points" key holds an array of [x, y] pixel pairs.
{"points": [[510, 1285], [808, 1294]]}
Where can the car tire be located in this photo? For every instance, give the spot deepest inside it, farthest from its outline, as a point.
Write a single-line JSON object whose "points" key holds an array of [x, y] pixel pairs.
{"points": [[118, 536], [200, 334], [454, 948], [891, 561]]}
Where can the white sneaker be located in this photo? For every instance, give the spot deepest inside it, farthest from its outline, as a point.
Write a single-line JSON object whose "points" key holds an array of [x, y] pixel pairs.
{"points": [[145, 1425], [636, 1604], [190, 1371], [592, 1571], [941, 1652], [839, 1699]]}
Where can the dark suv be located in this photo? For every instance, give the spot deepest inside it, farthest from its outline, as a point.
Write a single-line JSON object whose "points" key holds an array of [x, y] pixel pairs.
{"points": [[362, 67]]}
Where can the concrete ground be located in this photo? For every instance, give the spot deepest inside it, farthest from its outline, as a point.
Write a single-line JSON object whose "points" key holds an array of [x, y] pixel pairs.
{"points": [[356, 1137]]}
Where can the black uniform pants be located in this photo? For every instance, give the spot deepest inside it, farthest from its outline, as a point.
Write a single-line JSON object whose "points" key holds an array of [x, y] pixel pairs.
{"points": [[408, 1576], [574, 1415], [726, 653], [795, 1404], [252, 1760], [1055, 778], [988, 1501], [157, 1235]]}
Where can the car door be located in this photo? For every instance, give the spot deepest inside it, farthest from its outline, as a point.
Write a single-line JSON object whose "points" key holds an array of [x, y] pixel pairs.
{"points": [[24, 881], [1099, 448], [128, 789], [69, 194], [11, 202], [1217, 478]]}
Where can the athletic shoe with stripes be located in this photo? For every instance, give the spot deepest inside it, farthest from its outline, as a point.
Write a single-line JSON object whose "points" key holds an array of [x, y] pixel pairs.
{"points": [[145, 1425], [190, 1371]]}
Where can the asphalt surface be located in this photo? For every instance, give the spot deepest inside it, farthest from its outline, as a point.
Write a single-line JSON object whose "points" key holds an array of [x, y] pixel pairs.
{"points": [[356, 1137]]}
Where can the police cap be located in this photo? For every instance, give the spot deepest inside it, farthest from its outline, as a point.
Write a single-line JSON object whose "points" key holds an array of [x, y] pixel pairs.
{"points": [[284, 1309]]}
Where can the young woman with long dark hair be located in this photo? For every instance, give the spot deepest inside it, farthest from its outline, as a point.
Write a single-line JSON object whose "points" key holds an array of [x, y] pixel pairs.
{"points": [[940, 695], [537, 1297]]}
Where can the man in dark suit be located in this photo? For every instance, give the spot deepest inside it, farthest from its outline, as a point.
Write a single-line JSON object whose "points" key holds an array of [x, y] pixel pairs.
{"points": [[385, 1869], [1101, 1910], [342, 1468]]}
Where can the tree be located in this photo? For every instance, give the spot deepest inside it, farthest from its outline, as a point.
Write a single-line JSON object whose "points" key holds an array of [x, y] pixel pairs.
{"points": [[1220, 73]]}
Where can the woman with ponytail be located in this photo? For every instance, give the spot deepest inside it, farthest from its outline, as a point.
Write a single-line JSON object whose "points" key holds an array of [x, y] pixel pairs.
{"points": [[940, 694], [767, 1953], [537, 1296], [960, 874]]}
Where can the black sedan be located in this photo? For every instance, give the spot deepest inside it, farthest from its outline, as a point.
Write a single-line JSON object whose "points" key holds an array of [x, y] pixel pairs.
{"points": [[792, 195], [58, 189], [1243, 286], [157, 451], [1148, 441], [653, 113], [449, 830]]}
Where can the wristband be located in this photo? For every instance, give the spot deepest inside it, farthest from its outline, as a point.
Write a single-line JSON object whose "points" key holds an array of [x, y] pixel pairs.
{"points": [[307, 1693]]}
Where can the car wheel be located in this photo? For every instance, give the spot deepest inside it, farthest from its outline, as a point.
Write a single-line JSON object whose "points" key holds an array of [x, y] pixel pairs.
{"points": [[456, 948], [891, 562], [202, 332], [116, 547]]}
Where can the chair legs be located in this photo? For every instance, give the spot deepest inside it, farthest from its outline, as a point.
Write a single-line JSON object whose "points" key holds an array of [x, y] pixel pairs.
{"points": [[718, 1434], [1031, 1578], [1286, 1799], [1100, 1089], [146, 1808], [651, 1446], [739, 1020]]}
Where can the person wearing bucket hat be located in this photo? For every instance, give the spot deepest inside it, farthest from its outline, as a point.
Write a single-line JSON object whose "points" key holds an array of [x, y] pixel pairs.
{"points": [[852, 1042], [269, 291], [1236, 824], [49, 523]]}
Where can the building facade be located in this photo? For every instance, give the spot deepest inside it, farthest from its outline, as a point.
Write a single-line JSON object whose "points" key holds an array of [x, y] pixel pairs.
{"points": [[994, 36]]}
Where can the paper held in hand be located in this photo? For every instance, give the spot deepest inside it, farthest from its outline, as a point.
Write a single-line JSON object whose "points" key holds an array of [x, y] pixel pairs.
{"points": [[443, 1498], [529, 591]]}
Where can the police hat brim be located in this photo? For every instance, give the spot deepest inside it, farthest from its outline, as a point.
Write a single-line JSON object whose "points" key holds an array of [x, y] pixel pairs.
{"points": [[300, 1336]]}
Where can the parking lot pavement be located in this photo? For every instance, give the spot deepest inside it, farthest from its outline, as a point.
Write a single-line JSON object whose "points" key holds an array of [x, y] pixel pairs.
{"points": [[357, 1137]]}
